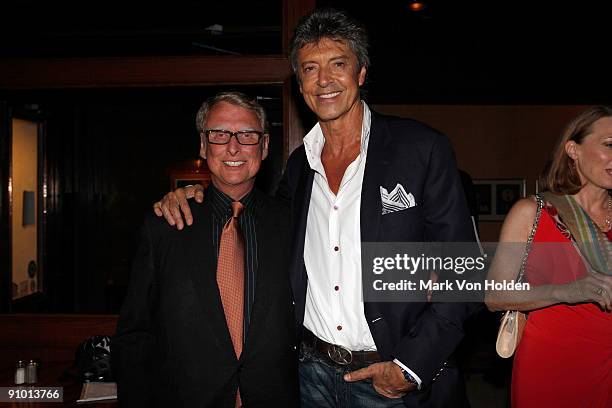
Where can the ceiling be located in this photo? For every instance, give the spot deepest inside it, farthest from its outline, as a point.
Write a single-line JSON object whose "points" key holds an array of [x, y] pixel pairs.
{"points": [[82, 29], [493, 51]]}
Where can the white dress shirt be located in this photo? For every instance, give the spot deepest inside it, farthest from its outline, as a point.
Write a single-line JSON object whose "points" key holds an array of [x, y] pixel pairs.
{"points": [[332, 250]]}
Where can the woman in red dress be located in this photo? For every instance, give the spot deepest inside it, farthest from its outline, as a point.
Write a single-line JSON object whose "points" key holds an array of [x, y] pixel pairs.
{"points": [[564, 358]]}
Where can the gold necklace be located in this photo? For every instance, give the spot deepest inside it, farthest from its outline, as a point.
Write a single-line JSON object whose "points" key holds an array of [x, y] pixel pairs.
{"points": [[607, 222]]}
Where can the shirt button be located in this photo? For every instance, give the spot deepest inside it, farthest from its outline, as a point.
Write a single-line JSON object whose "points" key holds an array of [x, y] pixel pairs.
{"points": [[335, 207], [336, 248], [336, 288], [339, 327]]}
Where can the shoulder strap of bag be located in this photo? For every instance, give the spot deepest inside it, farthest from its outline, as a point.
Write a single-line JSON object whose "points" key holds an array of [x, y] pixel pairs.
{"points": [[534, 228]]}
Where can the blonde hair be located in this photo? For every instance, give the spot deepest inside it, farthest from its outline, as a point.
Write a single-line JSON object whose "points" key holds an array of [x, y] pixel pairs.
{"points": [[560, 175]]}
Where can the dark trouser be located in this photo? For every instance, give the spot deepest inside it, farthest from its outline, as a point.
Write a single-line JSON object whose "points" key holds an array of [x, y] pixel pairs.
{"points": [[322, 386]]}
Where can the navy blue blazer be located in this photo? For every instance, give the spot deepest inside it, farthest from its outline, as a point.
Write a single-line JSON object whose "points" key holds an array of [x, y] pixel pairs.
{"points": [[423, 336]]}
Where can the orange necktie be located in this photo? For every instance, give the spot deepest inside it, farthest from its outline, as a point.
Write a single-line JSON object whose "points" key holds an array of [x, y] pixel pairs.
{"points": [[230, 279]]}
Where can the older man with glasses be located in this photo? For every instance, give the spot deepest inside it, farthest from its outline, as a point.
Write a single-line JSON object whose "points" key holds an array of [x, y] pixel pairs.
{"points": [[208, 312]]}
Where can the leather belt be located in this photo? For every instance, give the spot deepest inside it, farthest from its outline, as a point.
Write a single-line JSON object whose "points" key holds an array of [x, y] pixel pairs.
{"points": [[337, 355]]}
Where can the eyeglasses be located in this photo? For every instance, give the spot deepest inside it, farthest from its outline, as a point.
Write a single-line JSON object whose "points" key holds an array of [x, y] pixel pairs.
{"points": [[244, 137]]}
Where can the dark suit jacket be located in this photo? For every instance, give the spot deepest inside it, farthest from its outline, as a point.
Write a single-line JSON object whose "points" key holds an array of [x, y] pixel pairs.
{"points": [[423, 336], [172, 346]]}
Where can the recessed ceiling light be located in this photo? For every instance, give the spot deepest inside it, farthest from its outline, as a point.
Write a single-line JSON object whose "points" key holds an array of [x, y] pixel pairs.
{"points": [[416, 5]]}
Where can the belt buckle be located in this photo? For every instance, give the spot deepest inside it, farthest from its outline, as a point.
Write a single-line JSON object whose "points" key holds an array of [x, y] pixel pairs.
{"points": [[340, 354]]}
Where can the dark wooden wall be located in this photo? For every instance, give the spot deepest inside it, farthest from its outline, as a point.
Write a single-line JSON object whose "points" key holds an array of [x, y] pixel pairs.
{"points": [[49, 338], [115, 126], [108, 157], [5, 231]]}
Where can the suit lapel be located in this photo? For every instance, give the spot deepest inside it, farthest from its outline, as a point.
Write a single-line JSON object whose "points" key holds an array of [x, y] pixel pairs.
{"points": [[200, 247], [265, 264], [301, 204], [375, 168]]}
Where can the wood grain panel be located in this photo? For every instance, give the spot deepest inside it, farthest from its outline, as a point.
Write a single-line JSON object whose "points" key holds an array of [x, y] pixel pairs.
{"points": [[49, 337], [141, 72], [292, 12]]}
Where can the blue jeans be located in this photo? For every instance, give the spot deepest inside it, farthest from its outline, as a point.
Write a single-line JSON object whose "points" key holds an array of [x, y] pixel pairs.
{"points": [[322, 386]]}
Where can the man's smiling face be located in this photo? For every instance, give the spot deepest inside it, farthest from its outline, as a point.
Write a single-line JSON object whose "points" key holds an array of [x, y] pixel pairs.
{"points": [[329, 78], [233, 166]]}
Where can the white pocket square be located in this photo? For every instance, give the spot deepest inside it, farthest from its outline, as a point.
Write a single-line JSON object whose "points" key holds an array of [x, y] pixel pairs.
{"points": [[396, 200]]}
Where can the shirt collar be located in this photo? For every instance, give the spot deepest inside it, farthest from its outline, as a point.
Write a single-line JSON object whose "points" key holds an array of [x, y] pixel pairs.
{"points": [[221, 203], [314, 140]]}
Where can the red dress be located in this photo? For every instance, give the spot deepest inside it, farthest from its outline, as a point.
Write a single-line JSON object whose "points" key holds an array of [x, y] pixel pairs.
{"points": [[564, 358]]}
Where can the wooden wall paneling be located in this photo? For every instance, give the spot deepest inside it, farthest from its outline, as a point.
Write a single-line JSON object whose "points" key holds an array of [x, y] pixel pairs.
{"points": [[141, 72], [59, 224], [128, 72], [292, 122], [293, 10], [42, 204], [49, 337], [293, 128], [5, 220]]}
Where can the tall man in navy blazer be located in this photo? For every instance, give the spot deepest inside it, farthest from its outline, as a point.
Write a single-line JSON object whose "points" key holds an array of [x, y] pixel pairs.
{"points": [[356, 354]]}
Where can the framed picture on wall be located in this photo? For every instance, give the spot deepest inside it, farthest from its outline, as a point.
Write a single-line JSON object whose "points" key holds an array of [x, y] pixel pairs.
{"points": [[495, 197]]}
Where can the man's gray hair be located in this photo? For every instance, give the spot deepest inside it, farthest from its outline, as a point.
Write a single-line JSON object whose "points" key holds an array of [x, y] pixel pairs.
{"points": [[334, 24], [234, 98]]}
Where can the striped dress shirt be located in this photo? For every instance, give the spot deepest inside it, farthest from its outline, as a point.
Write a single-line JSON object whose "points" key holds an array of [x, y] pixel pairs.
{"points": [[221, 205]]}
